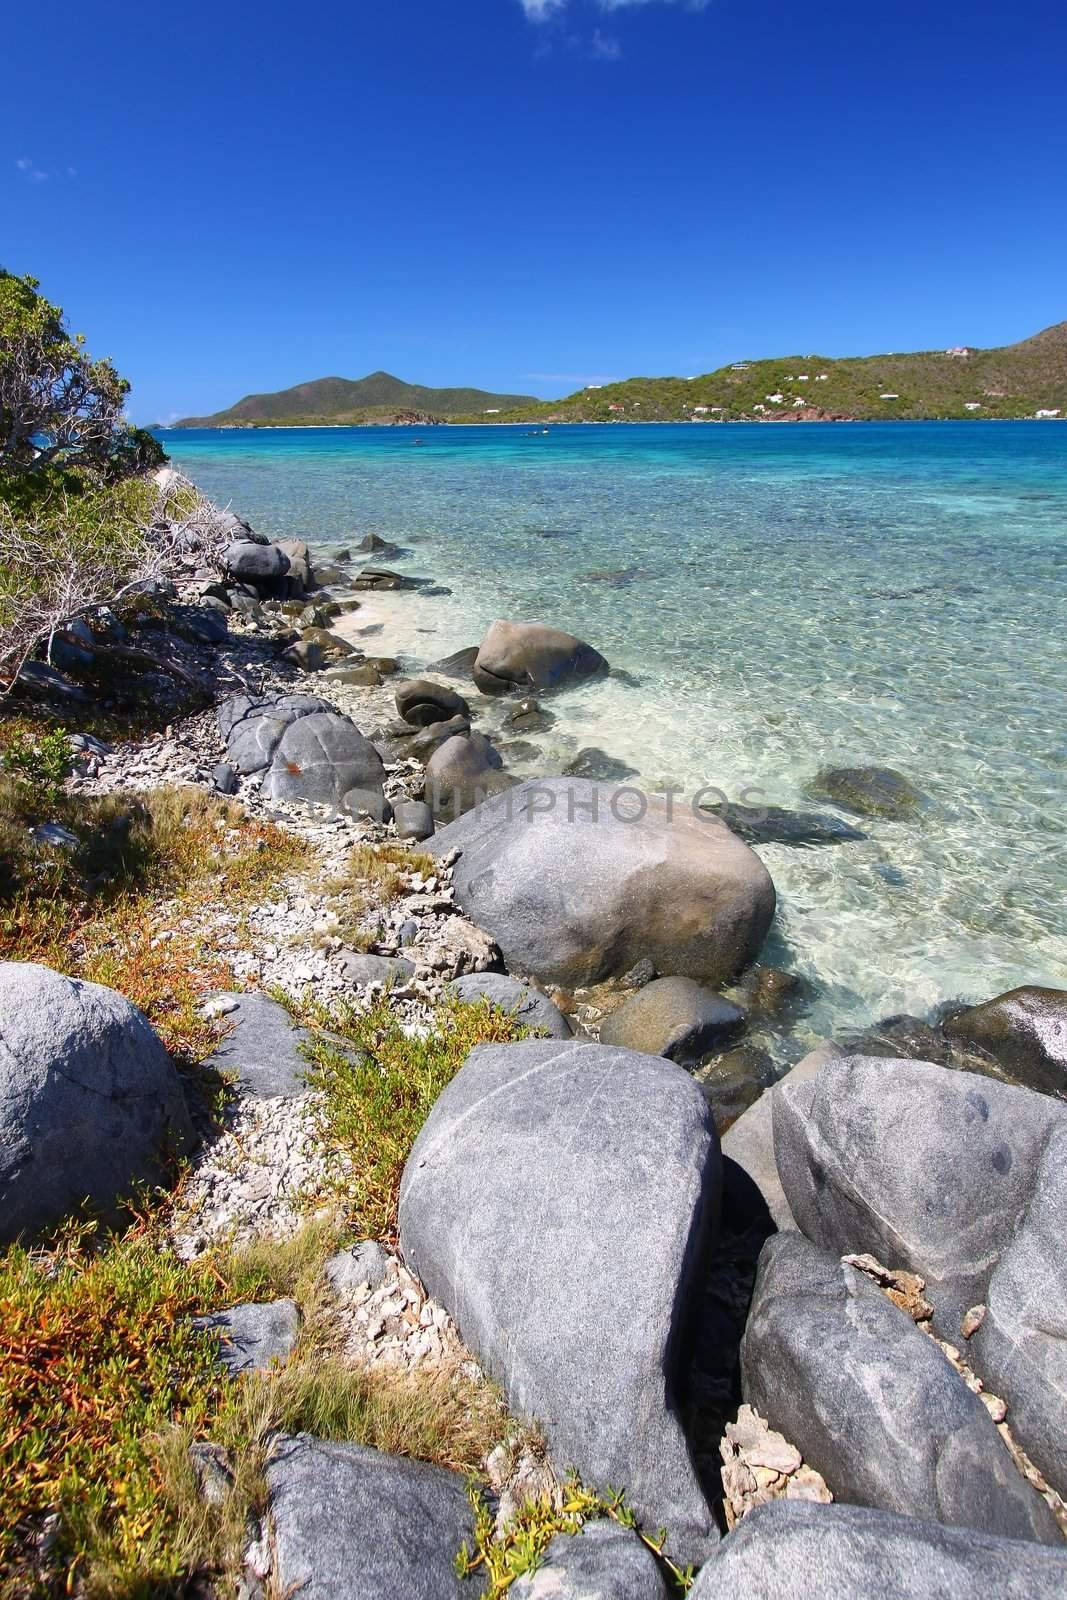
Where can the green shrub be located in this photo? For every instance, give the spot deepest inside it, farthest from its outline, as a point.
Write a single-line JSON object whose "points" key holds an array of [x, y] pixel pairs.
{"points": [[42, 762]]}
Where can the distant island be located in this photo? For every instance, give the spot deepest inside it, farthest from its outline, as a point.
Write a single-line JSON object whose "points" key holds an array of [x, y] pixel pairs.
{"points": [[1028, 379]]}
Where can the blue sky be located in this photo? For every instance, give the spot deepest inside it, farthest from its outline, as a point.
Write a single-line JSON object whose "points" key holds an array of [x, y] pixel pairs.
{"points": [[530, 194]]}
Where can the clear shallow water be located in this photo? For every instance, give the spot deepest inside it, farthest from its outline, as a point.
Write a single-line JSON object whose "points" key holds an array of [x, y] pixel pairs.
{"points": [[789, 598]]}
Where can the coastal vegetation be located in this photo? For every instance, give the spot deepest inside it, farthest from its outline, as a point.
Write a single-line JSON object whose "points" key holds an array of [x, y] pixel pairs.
{"points": [[377, 398], [1012, 381]]}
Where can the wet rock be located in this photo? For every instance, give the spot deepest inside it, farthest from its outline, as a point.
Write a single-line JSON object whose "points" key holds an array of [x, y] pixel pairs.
{"points": [[523, 1001], [872, 1403], [556, 1202], [577, 882], [461, 773], [253, 1338], [528, 715], [597, 764], [925, 1168], [733, 1081], [458, 665], [381, 578], [793, 1551], [373, 544], [1024, 1030], [322, 577], [868, 791], [769, 991], [602, 1562], [89, 1100], [776, 825], [672, 1017], [515, 656], [353, 1524], [362, 676], [421, 702], [431, 738]]}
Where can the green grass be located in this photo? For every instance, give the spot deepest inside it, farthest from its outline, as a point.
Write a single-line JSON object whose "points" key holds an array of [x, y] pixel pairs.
{"points": [[378, 1094], [499, 1560], [104, 1384]]}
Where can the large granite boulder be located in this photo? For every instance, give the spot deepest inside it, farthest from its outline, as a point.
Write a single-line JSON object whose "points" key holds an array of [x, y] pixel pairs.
{"points": [[673, 1017], [602, 1562], [320, 758], [558, 1202], [305, 749], [515, 657], [422, 702], [353, 1524], [868, 791], [871, 1402], [792, 1550], [461, 772], [255, 563], [577, 883], [749, 1142], [521, 1000], [1021, 1347], [1025, 1031], [90, 1102], [926, 1168]]}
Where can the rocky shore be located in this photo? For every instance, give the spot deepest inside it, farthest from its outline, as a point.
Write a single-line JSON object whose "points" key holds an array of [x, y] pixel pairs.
{"points": [[753, 1333]]}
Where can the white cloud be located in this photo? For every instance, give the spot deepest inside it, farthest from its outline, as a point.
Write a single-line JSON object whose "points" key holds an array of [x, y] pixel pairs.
{"points": [[603, 47], [541, 10], [30, 170], [621, 5]]}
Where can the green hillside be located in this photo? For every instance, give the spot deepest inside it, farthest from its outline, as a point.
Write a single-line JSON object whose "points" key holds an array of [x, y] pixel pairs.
{"points": [[376, 398], [1014, 381]]}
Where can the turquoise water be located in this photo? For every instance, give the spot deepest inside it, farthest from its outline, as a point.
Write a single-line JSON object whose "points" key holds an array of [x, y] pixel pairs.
{"points": [[787, 598]]}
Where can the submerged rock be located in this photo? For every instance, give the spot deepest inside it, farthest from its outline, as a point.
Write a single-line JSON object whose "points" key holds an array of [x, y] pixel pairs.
{"points": [[577, 883], [776, 825], [868, 791], [557, 1202], [597, 764]]}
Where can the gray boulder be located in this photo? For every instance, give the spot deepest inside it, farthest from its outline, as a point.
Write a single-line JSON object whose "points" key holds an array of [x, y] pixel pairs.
{"points": [[90, 1103], [421, 702], [414, 820], [353, 1524], [795, 1551], [264, 1051], [253, 728], [253, 1338], [255, 563], [435, 734], [577, 883], [319, 758], [871, 1402], [461, 773], [602, 1562], [517, 656], [366, 1262], [1024, 1030], [673, 1017], [1021, 1347], [361, 970], [926, 1168], [369, 802], [868, 791], [458, 665], [526, 1003], [557, 1202], [750, 1140], [380, 578]]}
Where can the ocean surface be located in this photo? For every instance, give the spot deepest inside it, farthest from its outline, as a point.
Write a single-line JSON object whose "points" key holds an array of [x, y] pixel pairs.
{"points": [[781, 599]]}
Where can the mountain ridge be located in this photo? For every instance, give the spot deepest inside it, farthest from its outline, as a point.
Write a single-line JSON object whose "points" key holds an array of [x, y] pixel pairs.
{"points": [[333, 398]]}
